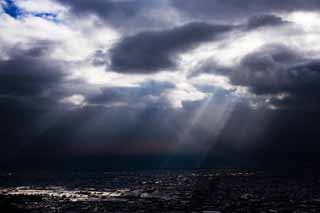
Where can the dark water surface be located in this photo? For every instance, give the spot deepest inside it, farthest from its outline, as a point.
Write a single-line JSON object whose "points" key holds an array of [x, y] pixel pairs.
{"points": [[158, 191]]}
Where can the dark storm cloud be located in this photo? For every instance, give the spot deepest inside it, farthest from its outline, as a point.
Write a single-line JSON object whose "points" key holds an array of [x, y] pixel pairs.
{"points": [[123, 15], [277, 69], [265, 21], [28, 73], [150, 52], [102, 138], [153, 51], [291, 139], [225, 10], [268, 70], [94, 132], [105, 8], [28, 84], [285, 139], [285, 74]]}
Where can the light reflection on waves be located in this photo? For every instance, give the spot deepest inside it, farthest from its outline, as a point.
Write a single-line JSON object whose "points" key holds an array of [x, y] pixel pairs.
{"points": [[61, 192], [89, 194]]}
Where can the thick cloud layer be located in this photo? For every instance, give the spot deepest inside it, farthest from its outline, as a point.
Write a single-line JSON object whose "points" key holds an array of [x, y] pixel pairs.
{"points": [[287, 75], [268, 70], [109, 10], [153, 51], [29, 73], [280, 70], [265, 20], [109, 84], [234, 9], [124, 15], [149, 52]]}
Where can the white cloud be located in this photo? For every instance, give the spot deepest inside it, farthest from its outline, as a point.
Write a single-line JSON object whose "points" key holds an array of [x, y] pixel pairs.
{"points": [[76, 99], [213, 80], [183, 92], [76, 39], [43, 6]]}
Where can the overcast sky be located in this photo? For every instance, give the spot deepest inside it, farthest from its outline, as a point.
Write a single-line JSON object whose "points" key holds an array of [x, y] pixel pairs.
{"points": [[159, 83]]}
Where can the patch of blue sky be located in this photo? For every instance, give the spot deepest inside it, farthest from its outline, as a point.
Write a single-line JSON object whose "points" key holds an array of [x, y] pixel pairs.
{"points": [[49, 16], [11, 8]]}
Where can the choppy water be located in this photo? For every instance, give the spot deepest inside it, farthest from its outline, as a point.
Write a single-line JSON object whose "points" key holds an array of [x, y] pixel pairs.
{"points": [[158, 191]]}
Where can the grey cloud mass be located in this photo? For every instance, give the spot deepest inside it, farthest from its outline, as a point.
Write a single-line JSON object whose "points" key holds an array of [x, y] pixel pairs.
{"points": [[285, 73], [29, 73], [265, 21], [280, 70], [123, 15], [226, 10], [153, 51], [106, 9], [149, 52]]}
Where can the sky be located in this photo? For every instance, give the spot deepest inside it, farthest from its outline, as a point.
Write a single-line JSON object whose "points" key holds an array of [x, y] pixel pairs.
{"points": [[105, 84]]}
